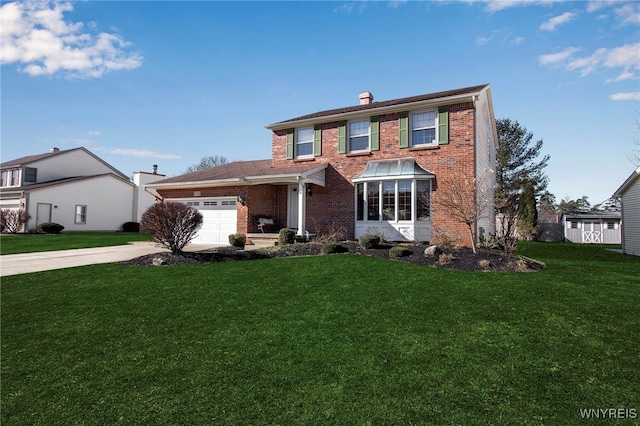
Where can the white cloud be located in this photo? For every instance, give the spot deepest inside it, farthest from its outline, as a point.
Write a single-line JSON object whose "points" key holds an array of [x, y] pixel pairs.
{"points": [[630, 96], [553, 58], [497, 5], [553, 23], [36, 35], [626, 57], [140, 153]]}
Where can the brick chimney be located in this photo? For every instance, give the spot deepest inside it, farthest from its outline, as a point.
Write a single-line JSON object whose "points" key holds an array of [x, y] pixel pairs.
{"points": [[366, 98]]}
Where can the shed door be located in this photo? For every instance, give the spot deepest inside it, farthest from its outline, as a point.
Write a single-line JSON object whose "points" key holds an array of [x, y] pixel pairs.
{"points": [[592, 232]]}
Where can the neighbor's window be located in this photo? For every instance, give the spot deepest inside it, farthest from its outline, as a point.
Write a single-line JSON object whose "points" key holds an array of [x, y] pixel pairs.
{"points": [[359, 135], [304, 142], [30, 174], [574, 225], [423, 128], [611, 225], [11, 177], [81, 214]]}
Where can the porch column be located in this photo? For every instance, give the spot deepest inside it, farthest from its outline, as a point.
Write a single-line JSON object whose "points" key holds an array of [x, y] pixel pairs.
{"points": [[302, 207]]}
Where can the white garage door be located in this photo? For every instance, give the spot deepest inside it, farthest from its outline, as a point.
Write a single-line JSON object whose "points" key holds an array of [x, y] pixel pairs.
{"points": [[220, 218]]}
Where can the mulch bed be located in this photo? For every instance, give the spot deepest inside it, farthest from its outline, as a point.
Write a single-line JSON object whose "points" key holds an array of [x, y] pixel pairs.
{"points": [[487, 260]]}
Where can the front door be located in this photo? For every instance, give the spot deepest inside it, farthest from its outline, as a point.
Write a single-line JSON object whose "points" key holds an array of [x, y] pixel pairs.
{"points": [[43, 213], [292, 207]]}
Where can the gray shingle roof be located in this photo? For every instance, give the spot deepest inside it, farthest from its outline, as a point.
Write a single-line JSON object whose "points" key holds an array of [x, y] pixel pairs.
{"points": [[393, 102], [236, 170]]}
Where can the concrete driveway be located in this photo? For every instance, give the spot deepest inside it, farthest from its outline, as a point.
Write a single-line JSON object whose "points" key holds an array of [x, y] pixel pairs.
{"points": [[14, 264]]}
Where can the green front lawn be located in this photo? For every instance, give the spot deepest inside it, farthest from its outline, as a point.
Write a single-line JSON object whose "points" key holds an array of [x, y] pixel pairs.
{"points": [[28, 243], [323, 340]]}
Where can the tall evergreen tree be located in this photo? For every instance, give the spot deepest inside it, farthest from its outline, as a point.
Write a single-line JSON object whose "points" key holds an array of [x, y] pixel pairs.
{"points": [[517, 162], [527, 213]]}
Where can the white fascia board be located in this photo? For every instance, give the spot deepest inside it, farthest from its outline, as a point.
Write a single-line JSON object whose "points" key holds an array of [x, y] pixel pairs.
{"points": [[430, 103], [627, 183], [198, 184]]}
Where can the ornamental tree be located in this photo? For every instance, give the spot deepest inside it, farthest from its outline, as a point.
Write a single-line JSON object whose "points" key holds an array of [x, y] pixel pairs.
{"points": [[173, 225]]}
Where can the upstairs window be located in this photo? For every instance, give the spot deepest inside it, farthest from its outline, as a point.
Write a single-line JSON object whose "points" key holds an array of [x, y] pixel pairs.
{"points": [[11, 177], [359, 136], [30, 174], [304, 142], [423, 128]]}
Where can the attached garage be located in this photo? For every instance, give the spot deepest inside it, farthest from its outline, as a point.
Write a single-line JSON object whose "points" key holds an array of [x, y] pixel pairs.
{"points": [[219, 219]]}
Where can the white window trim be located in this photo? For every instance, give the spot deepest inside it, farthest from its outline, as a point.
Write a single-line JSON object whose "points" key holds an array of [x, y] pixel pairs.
{"points": [[411, 128], [81, 214], [349, 135], [395, 179], [296, 142]]}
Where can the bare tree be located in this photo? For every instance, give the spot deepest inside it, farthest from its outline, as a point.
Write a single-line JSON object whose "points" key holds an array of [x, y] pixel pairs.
{"points": [[14, 220], [207, 162], [635, 154], [172, 224], [466, 200]]}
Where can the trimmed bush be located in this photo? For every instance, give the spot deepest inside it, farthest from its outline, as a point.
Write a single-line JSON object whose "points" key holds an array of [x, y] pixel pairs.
{"points": [[286, 236], [173, 225], [369, 241], [131, 227], [332, 248], [50, 228], [398, 251], [237, 240]]}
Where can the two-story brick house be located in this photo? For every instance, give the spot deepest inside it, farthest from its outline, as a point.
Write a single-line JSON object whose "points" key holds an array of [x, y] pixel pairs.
{"points": [[372, 167]]}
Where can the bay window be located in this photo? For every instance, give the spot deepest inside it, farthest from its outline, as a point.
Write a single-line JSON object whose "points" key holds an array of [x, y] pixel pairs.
{"points": [[393, 200]]}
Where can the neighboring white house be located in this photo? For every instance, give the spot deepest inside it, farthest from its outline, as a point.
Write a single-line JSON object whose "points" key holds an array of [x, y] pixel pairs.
{"points": [[592, 227], [629, 194], [74, 188]]}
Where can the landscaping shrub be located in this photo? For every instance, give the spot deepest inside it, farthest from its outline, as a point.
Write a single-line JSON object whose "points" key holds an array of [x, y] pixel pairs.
{"points": [[50, 228], [173, 225], [131, 227], [13, 220], [237, 240], [286, 236], [332, 248], [399, 251], [369, 241], [445, 258]]}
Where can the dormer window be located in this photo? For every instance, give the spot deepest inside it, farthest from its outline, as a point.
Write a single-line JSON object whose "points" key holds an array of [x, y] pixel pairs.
{"points": [[359, 136]]}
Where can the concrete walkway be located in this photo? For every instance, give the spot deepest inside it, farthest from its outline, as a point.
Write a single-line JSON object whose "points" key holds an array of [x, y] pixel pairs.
{"points": [[14, 264]]}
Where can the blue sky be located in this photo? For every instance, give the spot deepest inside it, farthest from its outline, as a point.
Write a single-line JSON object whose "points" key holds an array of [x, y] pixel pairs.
{"points": [[154, 82]]}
